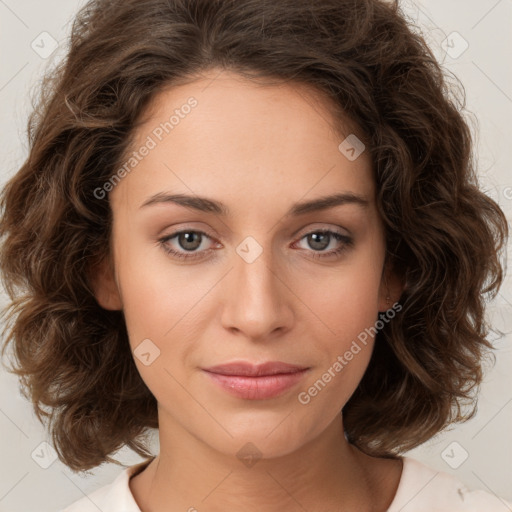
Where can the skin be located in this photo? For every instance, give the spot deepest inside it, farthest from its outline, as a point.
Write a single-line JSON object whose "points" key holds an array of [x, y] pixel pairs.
{"points": [[258, 149]]}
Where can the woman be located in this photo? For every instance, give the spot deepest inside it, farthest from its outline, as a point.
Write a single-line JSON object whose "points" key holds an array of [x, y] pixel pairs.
{"points": [[255, 227]]}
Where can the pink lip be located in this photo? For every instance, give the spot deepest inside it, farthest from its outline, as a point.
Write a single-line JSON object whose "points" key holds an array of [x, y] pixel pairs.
{"points": [[256, 382]]}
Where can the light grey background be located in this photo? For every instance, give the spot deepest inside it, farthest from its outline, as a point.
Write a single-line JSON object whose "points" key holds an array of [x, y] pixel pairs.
{"points": [[484, 69]]}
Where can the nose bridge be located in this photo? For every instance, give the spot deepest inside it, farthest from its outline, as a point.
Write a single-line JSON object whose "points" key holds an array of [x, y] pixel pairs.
{"points": [[255, 271], [257, 301]]}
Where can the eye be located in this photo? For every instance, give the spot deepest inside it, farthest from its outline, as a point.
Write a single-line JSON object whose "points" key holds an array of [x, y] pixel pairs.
{"points": [[190, 241], [319, 240]]}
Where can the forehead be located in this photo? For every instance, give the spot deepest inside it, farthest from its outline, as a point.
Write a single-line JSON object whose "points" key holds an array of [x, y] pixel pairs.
{"points": [[222, 134]]}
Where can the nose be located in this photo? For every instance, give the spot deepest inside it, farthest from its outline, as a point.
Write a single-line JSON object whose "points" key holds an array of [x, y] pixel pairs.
{"points": [[257, 300]]}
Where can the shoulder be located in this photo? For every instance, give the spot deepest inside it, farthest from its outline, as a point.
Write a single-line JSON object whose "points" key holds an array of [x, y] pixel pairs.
{"points": [[114, 497], [423, 489]]}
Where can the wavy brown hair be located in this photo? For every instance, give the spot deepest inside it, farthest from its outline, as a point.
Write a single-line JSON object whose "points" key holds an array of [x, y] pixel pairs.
{"points": [[444, 236]]}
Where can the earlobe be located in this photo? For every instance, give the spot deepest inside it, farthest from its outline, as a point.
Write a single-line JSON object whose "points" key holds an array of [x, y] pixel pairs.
{"points": [[105, 287]]}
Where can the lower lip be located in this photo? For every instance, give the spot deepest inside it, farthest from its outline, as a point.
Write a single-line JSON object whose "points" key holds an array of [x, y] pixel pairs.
{"points": [[257, 388]]}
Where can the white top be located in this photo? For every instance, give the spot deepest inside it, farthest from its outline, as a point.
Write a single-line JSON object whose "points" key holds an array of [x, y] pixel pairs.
{"points": [[421, 489]]}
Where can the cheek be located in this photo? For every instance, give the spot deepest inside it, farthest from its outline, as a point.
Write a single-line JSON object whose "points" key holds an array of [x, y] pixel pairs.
{"points": [[165, 309], [347, 298], [343, 353], [348, 307], [156, 295], [157, 304]]}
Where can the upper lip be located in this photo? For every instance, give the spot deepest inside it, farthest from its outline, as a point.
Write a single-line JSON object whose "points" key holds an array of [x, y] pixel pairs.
{"points": [[255, 370]]}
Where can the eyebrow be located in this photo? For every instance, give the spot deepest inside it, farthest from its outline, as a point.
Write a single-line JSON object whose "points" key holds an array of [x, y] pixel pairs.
{"points": [[204, 204]]}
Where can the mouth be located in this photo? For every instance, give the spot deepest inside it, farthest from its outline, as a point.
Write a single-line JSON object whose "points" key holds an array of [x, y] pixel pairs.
{"points": [[256, 382]]}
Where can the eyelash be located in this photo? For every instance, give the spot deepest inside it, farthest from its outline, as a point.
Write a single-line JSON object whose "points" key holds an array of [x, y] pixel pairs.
{"points": [[347, 243]]}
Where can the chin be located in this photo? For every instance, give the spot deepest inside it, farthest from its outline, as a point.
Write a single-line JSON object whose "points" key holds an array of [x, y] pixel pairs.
{"points": [[263, 436]]}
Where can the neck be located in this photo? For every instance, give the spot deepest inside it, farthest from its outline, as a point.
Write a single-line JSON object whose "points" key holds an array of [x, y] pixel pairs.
{"points": [[327, 473]]}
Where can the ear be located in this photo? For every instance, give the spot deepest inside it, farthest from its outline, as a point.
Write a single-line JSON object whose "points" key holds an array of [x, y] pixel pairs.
{"points": [[391, 288], [104, 285]]}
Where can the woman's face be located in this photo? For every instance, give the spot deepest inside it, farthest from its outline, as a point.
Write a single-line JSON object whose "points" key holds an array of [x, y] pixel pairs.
{"points": [[261, 282]]}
